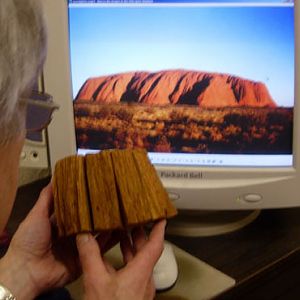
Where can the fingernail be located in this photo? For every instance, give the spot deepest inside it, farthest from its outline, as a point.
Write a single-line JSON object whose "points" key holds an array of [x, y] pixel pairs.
{"points": [[83, 238]]}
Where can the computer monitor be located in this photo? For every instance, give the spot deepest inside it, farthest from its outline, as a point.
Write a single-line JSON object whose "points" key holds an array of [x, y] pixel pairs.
{"points": [[207, 87]]}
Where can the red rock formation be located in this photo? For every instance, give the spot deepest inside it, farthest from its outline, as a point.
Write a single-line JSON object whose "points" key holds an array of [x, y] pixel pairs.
{"points": [[177, 87]]}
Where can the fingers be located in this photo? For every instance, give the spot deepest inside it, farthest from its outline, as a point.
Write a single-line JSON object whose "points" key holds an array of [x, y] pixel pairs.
{"points": [[90, 255], [157, 234], [126, 248], [139, 238], [110, 269], [140, 253], [148, 251], [154, 246]]}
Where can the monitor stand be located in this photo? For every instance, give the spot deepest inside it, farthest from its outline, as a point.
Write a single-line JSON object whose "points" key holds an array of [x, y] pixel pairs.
{"points": [[209, 223]]}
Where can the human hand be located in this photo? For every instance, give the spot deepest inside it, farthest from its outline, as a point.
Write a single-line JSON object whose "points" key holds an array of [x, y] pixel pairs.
{"points": [[36, 260], [134, 280]]}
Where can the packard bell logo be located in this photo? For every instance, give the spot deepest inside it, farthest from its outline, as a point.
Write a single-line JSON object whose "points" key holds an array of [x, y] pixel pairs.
{"points": [[180, 174]]}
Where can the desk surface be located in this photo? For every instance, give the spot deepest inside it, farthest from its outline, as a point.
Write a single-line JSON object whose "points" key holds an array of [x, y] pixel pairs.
{"points": [[263, 257]]}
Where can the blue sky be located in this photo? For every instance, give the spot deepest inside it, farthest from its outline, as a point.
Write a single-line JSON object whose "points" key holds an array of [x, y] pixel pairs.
{"points": [[251, 42]]}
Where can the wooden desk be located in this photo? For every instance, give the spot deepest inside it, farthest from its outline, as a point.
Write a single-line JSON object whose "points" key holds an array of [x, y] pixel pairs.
{"points": [[263, 257]]}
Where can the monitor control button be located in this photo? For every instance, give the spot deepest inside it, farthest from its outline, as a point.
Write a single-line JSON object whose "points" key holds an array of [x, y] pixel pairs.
{"points": [[252, 198], [173, 196]]}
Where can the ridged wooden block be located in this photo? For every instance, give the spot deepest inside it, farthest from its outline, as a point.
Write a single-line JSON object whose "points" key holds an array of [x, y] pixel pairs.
{"points": [[114, 189], [103, 192], [132, 200], [157, 197], [71, 201], [143, 198]]}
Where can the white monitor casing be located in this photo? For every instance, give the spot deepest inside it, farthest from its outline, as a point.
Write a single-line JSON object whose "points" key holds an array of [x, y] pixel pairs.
{"points": [[192, 188]]}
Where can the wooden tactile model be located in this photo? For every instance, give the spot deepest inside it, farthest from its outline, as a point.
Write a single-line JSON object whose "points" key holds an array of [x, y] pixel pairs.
{"points": [[114, 189], [72, 215], [103, 192]]}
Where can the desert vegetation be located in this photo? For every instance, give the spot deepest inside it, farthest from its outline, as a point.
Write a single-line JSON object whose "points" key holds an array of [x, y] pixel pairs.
{"points": [[184, 128]]}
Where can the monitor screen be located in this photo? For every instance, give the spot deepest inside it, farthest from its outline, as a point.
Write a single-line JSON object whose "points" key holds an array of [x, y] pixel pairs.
{"points": [[195, 83]]}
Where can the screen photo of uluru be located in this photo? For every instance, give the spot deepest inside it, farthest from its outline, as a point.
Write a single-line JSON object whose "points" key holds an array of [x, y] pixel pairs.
{"points": [[181, 111]]}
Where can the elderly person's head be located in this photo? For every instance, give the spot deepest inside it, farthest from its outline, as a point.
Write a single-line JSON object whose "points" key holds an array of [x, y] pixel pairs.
{"points": [[22, 53]]}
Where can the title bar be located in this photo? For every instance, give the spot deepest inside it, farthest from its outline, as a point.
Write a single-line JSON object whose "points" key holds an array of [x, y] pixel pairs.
{"points": [[187, 1]]}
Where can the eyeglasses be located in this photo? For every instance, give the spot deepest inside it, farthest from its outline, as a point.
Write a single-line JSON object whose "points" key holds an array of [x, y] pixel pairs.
{"points": [[39, 110]]}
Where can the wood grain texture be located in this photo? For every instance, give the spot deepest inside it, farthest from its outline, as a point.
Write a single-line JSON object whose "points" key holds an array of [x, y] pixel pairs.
{"points": [[114, 189], [157, 196], [103, 192], [71, 197], [83, 207], [134, 204]]}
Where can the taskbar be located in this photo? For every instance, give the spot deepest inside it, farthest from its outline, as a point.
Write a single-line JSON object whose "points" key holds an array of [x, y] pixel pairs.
{"points": [[215, 160]]}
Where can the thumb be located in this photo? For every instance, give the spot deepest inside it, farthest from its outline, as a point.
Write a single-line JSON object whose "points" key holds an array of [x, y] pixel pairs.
{"points": [[89, 254]]}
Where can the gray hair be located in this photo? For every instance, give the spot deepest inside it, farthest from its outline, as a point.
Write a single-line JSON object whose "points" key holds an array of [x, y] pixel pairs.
{"points": [[22, 54]]}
